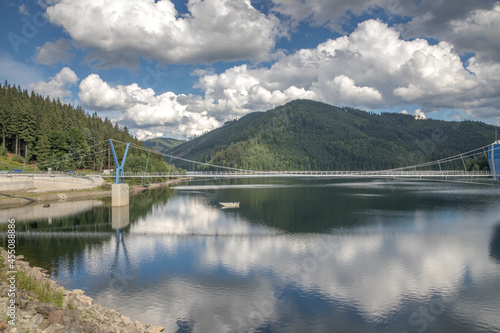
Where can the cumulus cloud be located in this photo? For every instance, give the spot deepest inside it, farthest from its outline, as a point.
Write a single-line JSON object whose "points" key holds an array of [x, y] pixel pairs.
{"points": [[419, 114], [372, 68], [120, 32], [58, 85], [478, 33], [142, 109], [54, 53], [427, 16]]}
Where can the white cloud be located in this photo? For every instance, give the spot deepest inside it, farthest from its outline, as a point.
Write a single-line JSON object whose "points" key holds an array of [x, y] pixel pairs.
{"points": [[478, 33], [23, 10], [419, 114], [53, 53], [343, 88], [58, 85], [371, 68], [122, 31], [427, 17], [143, 110]]}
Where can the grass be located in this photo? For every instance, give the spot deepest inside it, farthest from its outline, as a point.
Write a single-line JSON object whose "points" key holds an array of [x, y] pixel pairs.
{"points": [[43, 289], [3, 268]]}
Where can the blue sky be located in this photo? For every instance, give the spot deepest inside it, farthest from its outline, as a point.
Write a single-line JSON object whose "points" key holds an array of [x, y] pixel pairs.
{"points": [[181, 68]]}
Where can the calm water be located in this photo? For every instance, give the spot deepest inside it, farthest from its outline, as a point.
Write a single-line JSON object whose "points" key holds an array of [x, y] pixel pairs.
{"points": [[297, 256]]}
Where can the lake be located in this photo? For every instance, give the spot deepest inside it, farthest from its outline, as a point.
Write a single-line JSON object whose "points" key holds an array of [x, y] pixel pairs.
{"points": [[299, 255]]}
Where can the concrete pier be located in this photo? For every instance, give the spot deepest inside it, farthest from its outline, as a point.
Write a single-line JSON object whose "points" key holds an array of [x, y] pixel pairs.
{"points": [[119, 195], [120, 217]]}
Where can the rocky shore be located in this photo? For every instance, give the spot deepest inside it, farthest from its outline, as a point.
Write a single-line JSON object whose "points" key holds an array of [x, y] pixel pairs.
{"points": [[78, 312]]}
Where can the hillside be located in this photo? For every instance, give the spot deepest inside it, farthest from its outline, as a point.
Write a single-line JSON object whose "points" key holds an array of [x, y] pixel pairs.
{"points": [[162, 145], [308, 135], [37, 130]]}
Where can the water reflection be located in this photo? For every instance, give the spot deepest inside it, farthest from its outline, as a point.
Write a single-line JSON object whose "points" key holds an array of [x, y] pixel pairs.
{"points": [[48, 212], [184, 263], [495, 244]]}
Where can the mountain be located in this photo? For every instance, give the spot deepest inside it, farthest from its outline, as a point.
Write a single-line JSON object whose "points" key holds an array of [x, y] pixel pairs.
{"points": [[309, 135], [163, 145]]}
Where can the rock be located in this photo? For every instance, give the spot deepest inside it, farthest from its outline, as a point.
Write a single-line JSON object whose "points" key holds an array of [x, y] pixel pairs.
{"points": [[84, 300], [72, 313], [126, 320], [36, 320], [4, 291], [56, 317], [20, 257], [156, 329], [44, 324], [21, 300], [77, 292], [89, 327], [46, 309], [3, 326], [139, 327]]}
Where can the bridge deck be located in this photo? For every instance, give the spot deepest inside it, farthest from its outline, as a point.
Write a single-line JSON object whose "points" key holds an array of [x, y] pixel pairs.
{"points": [[249, 174], [387, 173]]}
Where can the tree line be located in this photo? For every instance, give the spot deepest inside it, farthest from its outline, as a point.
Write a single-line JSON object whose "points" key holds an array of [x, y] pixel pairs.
{"points": [[51, 134]]}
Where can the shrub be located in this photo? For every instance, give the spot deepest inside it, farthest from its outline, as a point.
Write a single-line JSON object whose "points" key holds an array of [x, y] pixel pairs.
{"points": [[17, 158]]}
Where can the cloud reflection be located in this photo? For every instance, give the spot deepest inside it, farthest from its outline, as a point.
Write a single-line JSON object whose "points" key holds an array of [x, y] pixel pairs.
{"points": [[190, 262]]}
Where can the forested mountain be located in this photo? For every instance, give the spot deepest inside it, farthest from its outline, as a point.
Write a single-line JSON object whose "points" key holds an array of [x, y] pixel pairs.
{"points": [[308, 135], [163, 145], [36, 129]]}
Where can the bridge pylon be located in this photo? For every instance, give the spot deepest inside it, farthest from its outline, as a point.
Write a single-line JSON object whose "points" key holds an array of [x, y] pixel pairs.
{"points": [[119, 191], [494, 159]]}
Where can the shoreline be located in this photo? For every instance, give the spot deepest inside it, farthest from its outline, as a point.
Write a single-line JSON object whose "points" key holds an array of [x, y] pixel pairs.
{"points": [[11, 199], [76, 313]]}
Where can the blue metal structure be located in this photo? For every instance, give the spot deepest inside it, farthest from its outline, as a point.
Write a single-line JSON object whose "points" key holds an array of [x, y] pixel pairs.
{"points": [[119, 167], [494, 159]]}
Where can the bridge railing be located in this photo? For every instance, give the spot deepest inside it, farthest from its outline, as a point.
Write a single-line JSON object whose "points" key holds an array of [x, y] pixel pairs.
{"points": [[383, 173], [227, 174]]}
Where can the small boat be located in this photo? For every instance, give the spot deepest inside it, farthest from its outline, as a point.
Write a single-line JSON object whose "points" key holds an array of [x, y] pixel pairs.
{"points": [[230, 204]]}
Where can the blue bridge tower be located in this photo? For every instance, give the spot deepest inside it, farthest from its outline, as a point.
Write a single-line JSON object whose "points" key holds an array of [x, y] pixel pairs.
{"points": [[494, 159]]}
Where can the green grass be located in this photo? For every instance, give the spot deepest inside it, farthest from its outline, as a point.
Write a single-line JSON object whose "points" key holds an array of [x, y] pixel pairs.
{"points": [[8, 164], [43, 289], [3, 268]]}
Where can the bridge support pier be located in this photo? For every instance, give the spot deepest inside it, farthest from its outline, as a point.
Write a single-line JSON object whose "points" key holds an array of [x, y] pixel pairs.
{"points": [[119, 195]]}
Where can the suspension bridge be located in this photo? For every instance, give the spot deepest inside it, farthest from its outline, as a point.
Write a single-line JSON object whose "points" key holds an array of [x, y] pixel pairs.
{"points": [[431, 169], [84, 179]]}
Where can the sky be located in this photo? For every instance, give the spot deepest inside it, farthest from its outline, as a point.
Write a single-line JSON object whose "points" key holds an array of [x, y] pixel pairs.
{"points": [[178, 68]]}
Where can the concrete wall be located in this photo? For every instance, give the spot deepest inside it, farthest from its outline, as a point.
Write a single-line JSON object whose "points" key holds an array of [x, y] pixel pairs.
{"points": [[16, 185], [47, 182]]}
